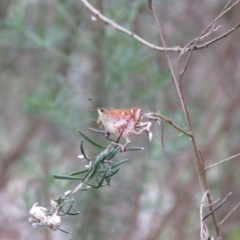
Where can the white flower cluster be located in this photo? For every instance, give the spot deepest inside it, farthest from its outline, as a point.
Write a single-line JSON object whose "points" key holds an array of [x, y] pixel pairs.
{"points": [[41, 217]]}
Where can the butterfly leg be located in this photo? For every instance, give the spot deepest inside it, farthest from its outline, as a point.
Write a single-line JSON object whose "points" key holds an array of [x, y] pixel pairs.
{"points": [[107, 135], [143, 127], [127, 142], [116, 142], [123, 147]]}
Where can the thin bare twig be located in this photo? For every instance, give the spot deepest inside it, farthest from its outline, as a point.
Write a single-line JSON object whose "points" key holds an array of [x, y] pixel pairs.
{"points": [[124, 30], [199, 166], [146, 43], [218, 206], [205, 45], [214, 202], [200, 176], [227, 4], [174, 79], [202, 158], [78, 187], [224, 219], [203, 227], [203, 32], [220, 162], [185, 113], [184, 110], [188, 46], [169, 121]]}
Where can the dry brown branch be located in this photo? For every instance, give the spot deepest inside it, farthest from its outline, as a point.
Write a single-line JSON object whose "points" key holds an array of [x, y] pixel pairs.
{"points": [[169, 121], [187, 118], [199, 162], [199, 175], [122, 29], [108, 21], [222, 161]]}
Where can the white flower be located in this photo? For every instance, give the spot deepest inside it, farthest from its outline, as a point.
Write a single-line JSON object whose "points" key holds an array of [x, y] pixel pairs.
{"points": [[40, 217]]}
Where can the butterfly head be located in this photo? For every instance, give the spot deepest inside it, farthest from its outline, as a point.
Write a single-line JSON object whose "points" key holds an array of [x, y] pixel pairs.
{"points": [[102, 114]]}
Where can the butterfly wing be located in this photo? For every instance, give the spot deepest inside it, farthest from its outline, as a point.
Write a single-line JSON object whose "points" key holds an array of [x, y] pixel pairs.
{"points": [[120, 122]]}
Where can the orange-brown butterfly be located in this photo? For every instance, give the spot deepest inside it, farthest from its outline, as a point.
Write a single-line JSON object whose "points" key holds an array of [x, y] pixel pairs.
{"points": [[123, 121]]}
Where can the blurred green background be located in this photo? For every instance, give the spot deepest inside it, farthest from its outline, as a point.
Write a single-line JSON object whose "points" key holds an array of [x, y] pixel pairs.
{"points": [[54, 57]]}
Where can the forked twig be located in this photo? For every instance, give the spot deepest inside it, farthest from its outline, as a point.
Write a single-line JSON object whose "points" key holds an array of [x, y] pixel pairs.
{"points": [[150, 45], [153, 116], [181, 72], [206, 44]]}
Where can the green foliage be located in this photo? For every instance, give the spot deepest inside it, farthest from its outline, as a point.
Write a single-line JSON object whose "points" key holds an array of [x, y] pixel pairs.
{"points": [[101, 168], [98, 174]]}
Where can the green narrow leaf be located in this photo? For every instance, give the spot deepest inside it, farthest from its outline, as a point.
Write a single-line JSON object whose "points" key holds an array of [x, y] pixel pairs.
{"points": [[66, 177], [61, 209], [68, 210], [116, 164], [135, 149], [101, 157], [108, 171], [90, 140], [109, 177], [107, 155], [73, 214], [100, 182], [93, 172], [114, 172], [83, 152], [114, 152], [79, 172], [108, 180], [88, 173], [95, 165], [101, 171]]}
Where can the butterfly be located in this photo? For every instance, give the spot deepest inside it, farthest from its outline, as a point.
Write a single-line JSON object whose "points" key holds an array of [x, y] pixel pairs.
{"points": [[123, 122]]}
